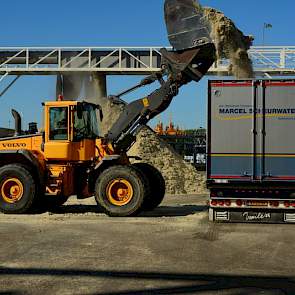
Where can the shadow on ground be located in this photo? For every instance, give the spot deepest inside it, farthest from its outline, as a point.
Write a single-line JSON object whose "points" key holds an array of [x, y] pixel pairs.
{"points": [[163, 211], [186, 283], [171, 211]]}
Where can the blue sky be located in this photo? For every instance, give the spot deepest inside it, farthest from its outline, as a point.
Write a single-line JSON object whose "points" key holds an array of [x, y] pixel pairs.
{"points": [[121, 23]]}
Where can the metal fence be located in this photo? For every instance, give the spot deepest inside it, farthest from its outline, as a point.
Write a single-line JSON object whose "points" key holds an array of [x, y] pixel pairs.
{"points": [[267, 60]]}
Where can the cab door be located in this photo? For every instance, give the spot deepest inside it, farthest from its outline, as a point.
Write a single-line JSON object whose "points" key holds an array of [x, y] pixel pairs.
{"points": [[57, 133]]}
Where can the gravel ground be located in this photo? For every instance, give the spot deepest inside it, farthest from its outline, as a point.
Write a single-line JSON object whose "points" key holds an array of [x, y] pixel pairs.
{"points": [[172, 250]]}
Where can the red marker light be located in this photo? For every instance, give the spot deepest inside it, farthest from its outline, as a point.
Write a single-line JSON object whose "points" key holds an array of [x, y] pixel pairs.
{"points": [[239, 203], [214, 203], [287, 204], [60, 98], [276, 203], [227, 203]]}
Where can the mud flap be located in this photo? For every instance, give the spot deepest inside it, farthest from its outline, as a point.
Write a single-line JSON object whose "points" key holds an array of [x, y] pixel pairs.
{"points": [[252, 216]]}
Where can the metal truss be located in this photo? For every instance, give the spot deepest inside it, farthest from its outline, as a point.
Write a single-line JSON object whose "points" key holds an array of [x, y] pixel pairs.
{"points": [[269, 61], [109, 60]]}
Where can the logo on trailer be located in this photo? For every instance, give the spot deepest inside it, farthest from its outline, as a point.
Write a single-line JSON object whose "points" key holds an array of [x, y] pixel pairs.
{"points": [[256, 216]]}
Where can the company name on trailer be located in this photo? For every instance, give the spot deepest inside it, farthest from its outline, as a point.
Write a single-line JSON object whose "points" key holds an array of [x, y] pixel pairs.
{"points": [[256, 111]]}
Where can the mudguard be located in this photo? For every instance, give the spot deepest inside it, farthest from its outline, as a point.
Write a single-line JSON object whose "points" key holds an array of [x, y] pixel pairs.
{"points": [[23, 157]]}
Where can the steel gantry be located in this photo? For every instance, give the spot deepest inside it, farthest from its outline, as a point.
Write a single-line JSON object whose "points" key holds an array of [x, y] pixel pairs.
{"points": [[269, 61]]}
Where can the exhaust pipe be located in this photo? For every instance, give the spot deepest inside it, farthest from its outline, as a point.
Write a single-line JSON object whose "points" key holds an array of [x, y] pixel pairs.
{"points": [[18, 122]]}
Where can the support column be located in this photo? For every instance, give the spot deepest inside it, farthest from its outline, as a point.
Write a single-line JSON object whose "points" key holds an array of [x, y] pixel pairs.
{"points": [[96, 92], [96, 88]]}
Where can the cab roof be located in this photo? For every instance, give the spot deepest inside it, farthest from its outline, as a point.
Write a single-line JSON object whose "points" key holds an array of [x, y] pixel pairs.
{"points": [[63, 103]]}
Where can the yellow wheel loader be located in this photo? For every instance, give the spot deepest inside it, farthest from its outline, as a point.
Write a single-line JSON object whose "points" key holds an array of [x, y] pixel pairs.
{"points": [[70, 157]]}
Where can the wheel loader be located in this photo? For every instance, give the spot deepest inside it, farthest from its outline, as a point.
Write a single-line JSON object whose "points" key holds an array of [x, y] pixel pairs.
{"points": [[70, 157]]}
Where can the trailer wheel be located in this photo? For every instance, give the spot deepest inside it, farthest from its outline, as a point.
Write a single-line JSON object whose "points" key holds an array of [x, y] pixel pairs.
{"points": [[120, 191], [18, 189], [156, 184]]}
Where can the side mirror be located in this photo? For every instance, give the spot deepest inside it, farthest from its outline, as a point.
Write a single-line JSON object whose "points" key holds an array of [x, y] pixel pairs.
{"points": [[79, 111], [100, 112]]}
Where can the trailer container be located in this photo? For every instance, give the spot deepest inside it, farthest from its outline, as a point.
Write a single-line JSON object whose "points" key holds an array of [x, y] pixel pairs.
{"points": [[251, 150]]}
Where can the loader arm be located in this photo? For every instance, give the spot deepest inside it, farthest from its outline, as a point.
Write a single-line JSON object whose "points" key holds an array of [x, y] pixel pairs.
{"points": [[191, 58]]}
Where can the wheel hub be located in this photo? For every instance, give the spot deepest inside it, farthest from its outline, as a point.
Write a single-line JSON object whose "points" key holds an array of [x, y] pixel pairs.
{"points": [[12, 190], [119, 192]]}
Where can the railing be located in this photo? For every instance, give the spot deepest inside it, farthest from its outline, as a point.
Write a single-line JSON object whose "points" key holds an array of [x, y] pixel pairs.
{"points": [[270, 60], [273, 57], [104, 59]]}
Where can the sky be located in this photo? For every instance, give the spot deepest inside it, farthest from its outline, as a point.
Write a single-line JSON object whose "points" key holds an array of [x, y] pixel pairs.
{"points": [[121, 23]]}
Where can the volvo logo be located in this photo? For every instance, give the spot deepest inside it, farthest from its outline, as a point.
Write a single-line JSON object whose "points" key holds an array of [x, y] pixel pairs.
{"points": [[14, 145]]}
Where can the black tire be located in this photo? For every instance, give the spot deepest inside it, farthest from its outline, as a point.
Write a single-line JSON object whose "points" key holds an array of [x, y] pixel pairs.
{"points": [[20, 173], [157, 186], [116, 175]]}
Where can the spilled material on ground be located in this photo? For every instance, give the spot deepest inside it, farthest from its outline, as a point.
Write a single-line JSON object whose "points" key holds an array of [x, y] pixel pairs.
{"points": [[180, 177]]}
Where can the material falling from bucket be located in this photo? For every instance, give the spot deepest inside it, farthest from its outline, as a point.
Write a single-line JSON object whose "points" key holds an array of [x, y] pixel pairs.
{"points": [[230, 43]]}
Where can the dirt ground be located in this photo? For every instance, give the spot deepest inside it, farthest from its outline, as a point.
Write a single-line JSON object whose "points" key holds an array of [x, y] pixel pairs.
{"points": [[173, 250]]}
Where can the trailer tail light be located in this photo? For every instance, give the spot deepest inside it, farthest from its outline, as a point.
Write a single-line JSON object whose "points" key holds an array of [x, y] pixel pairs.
{"points": [[227, 203], [214, 203], [274, 203], [239, 203], [287, 204], [221, 203]]}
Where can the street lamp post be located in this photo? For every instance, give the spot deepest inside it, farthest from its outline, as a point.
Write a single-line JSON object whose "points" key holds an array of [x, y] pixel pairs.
{"points": [[265, 26]]}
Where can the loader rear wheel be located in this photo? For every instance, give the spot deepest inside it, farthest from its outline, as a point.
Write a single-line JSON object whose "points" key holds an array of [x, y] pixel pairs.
{"points": [[17, 189], [120, 191], [157, 186]]}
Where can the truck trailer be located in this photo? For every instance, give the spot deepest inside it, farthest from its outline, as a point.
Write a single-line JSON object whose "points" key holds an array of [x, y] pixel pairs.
{"points": [[251, 150]]}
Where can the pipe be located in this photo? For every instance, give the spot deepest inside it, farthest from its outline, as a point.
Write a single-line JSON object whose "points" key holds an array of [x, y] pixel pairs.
{"points": [[18, 122]]}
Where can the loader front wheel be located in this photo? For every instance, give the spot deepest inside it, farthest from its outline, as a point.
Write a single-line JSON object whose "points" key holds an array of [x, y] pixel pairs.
{"points": [[17, 189], [120, 191]]}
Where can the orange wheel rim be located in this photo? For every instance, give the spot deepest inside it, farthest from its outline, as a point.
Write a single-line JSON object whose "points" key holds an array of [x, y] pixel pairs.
{"points": [[12, 190], [119, 192]]}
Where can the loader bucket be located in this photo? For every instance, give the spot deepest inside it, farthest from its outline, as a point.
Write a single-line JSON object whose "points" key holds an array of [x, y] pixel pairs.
{"points": [[186, 25]]}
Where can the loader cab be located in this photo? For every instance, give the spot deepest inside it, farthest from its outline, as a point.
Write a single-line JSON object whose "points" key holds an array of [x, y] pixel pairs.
{"points": [[71, 129]]}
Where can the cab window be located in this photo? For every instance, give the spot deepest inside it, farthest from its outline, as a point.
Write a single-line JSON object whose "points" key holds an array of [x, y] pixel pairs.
{"points": [[85, 125], [58, 129]]}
